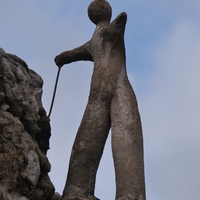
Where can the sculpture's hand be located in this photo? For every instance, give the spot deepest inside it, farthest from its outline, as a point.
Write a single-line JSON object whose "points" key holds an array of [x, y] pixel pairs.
{"points": [[65, 57], [59, 60]]}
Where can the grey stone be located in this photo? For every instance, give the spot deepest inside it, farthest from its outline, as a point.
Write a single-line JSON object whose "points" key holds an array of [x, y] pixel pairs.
{"points": [[32, 171]]}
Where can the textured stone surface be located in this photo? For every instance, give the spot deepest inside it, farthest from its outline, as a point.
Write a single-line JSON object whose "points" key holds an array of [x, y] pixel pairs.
{"points": [[111, 104], [24, 133]]}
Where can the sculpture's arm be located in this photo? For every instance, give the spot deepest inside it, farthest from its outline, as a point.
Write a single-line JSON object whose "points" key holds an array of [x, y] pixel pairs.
{"points": [[77, 54], [117, 26]]}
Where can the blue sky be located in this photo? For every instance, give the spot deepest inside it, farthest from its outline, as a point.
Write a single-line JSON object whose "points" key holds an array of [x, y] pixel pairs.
{"points": [[163, 58]]}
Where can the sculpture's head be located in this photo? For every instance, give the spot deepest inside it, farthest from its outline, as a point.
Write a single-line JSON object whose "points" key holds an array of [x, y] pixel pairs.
{"points": [[99, 11]]}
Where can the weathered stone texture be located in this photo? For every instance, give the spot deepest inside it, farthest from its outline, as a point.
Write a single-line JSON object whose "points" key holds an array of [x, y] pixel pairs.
{"points": [[24, 133], [112, 104]]}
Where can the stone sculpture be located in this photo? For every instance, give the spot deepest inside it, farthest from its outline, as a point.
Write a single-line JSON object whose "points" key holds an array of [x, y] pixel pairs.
{"points": [[111, 104]]}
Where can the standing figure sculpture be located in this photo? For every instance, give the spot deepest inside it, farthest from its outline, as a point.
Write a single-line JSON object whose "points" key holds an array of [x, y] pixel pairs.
{"points": [[111, 104]]}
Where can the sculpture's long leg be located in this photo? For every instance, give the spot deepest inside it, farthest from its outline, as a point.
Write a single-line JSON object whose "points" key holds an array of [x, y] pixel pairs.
{"points": [[87, 151], [127, 145]]}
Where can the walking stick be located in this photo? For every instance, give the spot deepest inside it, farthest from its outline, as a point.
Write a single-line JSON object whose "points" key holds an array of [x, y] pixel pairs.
{"points": [[54, 92]]}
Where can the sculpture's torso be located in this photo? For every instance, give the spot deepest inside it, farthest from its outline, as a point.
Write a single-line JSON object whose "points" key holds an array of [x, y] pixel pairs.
{"points": [[108, 53]]}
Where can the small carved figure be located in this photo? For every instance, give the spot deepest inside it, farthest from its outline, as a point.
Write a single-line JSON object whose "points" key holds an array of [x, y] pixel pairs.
{"points": [[111, 104]]}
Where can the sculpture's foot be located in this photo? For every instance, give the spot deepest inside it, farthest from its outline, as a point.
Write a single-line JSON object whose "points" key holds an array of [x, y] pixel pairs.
{"points": [[56, 196], [88, 197], [122, 198]]}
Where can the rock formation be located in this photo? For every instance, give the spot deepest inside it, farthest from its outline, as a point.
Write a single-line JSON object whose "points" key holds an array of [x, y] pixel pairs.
{"points": [[24, 133]]}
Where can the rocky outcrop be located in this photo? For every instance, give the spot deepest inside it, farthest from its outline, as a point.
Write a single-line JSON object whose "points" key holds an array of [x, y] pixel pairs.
{"points": [[24, 133]]}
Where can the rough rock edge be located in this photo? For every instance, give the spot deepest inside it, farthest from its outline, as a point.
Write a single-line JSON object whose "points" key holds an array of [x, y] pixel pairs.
{"points": [[24, 133]]}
